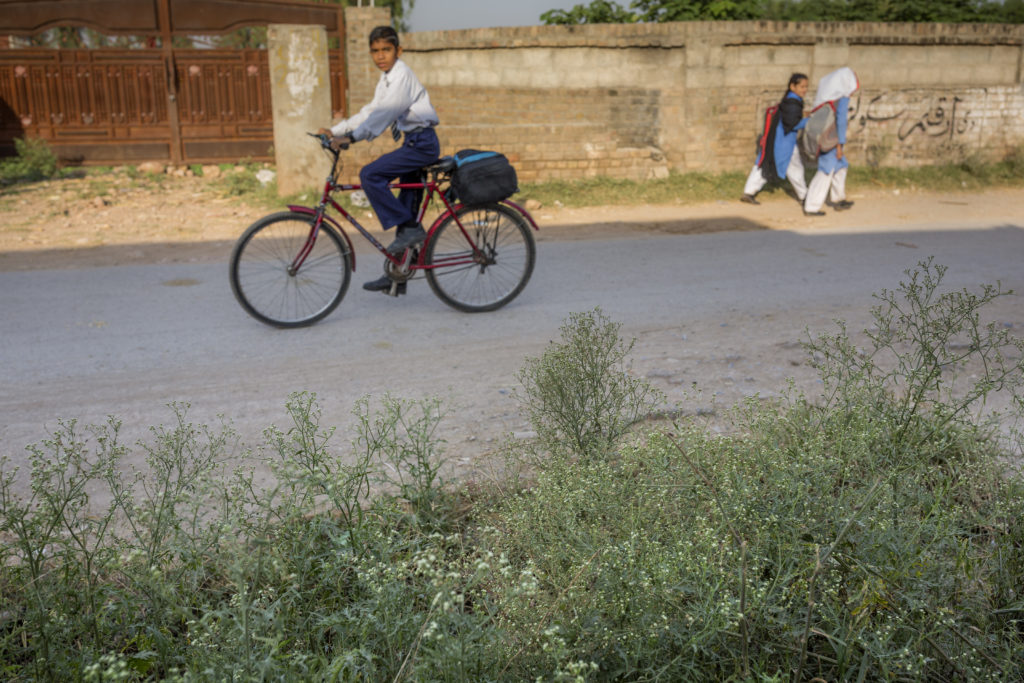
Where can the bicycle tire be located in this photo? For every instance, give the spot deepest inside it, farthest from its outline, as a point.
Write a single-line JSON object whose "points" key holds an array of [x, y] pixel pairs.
{"points": [[504, 238], [260, 278]]}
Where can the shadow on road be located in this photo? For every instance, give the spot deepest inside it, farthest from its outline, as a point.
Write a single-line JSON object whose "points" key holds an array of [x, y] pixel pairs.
{"points": [[220, 251], [682, 226], [117, 255]]}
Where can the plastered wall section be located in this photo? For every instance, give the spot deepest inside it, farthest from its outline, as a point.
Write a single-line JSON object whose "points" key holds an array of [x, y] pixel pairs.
{"points": [[301, 96], [641, 100]]}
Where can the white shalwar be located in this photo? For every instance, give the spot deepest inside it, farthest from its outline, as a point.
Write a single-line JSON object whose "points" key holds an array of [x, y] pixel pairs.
{"points": [[826, 185], [794, 174]]}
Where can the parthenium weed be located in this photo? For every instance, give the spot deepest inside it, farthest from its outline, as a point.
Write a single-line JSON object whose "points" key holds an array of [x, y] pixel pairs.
{"points": [[853, 537], [578, 394], [402, 439], [922, 341], [870, 533]]}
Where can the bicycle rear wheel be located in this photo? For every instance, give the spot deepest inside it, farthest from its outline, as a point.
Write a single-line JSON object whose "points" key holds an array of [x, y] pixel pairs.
{"points": [[496, 273], [263, 280]]}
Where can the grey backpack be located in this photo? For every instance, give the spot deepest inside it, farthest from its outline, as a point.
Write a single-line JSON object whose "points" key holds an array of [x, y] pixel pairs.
{"points": [[819, 134]]}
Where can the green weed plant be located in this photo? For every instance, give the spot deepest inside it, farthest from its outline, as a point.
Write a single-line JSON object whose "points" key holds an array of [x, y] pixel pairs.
{"points": [[579, 395], [870, 533], [33, 160]]}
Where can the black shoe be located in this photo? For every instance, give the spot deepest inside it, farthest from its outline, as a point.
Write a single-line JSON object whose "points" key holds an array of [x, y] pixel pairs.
{"points": [[383, 284], [841, 206], [749, 199], [813, 213], [407, 237]]}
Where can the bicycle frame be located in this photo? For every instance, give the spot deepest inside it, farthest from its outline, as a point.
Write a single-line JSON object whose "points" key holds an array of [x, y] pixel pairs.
{"points": [[430, 187]]}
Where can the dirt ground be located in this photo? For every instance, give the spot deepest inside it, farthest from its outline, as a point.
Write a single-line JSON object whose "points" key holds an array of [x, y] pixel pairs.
{"points": [[67, 224]]}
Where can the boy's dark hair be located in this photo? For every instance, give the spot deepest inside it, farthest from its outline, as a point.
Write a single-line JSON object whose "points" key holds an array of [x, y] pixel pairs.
{"points": [[384, 33]]}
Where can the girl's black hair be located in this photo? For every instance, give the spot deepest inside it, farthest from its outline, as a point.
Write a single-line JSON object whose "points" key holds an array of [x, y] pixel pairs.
{"points": [[794, 78], [384, 33]]}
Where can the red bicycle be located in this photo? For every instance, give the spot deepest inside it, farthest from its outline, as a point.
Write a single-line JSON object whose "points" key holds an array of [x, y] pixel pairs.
{"points": [[292, 268]]}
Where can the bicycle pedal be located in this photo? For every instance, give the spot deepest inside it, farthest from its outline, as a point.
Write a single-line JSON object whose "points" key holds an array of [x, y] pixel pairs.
{"points": [[396, 289]]}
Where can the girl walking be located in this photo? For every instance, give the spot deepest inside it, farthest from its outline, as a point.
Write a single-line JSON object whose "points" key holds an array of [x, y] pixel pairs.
{"points": [[834, 90], [779, 157]]}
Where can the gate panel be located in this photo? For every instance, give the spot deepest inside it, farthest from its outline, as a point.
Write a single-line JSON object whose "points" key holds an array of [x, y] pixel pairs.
{"points": [[89, 105], [224, 104]]}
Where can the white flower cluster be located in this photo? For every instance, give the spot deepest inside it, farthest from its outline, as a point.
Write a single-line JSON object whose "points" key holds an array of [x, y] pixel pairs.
{"points": [[110, 668]]}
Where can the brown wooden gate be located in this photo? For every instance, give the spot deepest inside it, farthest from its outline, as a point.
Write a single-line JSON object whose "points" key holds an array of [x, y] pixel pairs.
{"points": [[122, 106], [111, 106]]}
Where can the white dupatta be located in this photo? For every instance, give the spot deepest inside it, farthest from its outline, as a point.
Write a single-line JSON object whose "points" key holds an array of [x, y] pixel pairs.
{"points": [[840, 83]]}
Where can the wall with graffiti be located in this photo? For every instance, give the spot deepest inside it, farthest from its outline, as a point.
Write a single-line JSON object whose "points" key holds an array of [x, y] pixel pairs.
{"points": [[922, 126], [929, 94], [643, 100]]}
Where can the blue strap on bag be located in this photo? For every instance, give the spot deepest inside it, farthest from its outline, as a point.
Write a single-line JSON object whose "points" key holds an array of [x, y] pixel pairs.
{"points": [[483, 177]]}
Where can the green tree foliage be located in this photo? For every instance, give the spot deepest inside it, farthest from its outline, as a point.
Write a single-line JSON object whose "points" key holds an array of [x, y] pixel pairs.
{"points": [[597, 12], [698, 10], [1012, 11], [76, 38], [606, 11]]}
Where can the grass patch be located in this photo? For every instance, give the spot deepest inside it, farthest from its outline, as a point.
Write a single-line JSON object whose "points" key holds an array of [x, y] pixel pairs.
{"points": [[96, 188], [965, 176], [872, 533], [33, 161], [692, 188], [678, 188], [246, 185]]}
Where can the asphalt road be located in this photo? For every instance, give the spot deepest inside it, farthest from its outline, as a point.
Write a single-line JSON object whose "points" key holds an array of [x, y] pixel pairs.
{"points": [[724, 310]]}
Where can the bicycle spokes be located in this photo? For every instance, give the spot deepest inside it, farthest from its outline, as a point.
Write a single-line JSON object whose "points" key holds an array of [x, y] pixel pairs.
{"points": [[480, 258], [287, 272]]}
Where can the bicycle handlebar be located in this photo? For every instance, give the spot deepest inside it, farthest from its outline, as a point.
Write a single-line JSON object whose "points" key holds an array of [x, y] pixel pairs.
{"points": [[328, 142], [443, 166]]}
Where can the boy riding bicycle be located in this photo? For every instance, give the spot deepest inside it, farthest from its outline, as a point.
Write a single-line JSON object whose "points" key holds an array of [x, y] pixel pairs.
{"points": [[401, 103]]}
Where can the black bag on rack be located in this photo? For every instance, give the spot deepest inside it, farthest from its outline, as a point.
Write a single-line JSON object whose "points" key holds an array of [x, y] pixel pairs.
{"points": [[483, 177]]}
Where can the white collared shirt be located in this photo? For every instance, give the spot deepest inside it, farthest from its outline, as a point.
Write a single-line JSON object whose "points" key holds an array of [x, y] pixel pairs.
{"points": [[399, 97]]}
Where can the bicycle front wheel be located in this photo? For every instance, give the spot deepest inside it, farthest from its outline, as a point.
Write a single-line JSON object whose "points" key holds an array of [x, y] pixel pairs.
{"points": [[266, 281], [494, 274]]}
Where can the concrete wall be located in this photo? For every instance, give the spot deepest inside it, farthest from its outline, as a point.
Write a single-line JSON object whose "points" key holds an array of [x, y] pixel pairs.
{"points": [[637, 100], [301, 94]]}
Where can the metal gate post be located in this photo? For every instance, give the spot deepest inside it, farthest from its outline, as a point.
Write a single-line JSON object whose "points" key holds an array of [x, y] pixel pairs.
{"points": [[167, 47]]}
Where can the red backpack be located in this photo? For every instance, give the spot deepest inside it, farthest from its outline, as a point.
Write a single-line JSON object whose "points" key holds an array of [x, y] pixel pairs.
{"points": [[763, 140]]}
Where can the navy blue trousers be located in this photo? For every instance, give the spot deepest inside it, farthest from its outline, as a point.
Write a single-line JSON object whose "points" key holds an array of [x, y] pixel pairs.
{"points": [[418, 150]]}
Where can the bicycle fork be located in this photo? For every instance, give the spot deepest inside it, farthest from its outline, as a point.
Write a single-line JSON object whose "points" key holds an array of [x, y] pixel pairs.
{"points": [[300, 258]]}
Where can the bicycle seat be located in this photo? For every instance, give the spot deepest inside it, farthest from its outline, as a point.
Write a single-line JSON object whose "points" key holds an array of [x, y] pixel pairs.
{"points": [[442, 165]]}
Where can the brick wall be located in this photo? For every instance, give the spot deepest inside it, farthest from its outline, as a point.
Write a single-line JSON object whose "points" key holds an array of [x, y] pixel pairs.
{"points": [[362, 74], [639, 100]]}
